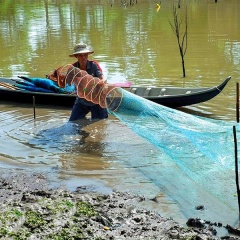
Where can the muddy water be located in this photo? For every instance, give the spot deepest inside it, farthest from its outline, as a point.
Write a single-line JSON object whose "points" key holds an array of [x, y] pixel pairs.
{"points": [[132, 43]]}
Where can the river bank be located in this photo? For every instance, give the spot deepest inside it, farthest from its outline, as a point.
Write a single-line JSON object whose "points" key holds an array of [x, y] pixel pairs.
{"points": [[31, 210]]}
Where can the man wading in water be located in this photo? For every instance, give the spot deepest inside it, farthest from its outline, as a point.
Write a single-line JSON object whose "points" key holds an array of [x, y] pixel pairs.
{"points": [[81, 106]]}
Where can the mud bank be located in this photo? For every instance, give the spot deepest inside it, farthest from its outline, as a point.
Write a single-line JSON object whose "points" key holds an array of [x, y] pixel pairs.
{"points": [[31, 210]]}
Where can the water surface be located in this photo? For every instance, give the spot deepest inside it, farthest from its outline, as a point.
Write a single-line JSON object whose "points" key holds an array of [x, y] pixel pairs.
{"points": [[132, 43]]}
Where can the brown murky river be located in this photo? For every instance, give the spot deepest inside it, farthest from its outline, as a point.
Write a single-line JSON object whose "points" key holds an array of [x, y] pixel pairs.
{"points": [[132, 43]]}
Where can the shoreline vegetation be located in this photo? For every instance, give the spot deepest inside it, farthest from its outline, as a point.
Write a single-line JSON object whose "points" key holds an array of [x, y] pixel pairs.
{"points": [[31, 210]]}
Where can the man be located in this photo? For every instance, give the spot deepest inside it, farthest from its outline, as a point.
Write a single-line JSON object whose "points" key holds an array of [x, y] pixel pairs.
{"points": [[81, 106]]}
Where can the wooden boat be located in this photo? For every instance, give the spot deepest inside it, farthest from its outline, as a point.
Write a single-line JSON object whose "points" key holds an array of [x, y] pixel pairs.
{"points": [[168, 96]]}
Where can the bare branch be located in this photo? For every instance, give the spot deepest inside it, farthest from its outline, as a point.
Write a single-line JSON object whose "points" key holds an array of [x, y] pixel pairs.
{"points": [[181, 36]]}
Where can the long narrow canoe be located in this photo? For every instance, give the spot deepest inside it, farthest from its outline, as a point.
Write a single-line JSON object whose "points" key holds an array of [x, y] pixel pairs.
{"points": [[168, 96]]}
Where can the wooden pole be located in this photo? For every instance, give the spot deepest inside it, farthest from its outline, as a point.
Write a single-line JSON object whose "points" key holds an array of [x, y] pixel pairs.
{"points": [[236, 167], [34, 112], [237, 102]]}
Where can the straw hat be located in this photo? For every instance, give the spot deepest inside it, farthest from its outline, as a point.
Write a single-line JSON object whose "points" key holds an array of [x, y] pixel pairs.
{"points": [[81, 48]]}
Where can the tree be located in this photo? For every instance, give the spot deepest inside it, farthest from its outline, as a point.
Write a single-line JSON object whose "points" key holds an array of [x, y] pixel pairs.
{"points": [[181, 35]]}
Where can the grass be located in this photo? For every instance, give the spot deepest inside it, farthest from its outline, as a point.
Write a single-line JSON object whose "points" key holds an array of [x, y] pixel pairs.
{"points": [[45, 215]]}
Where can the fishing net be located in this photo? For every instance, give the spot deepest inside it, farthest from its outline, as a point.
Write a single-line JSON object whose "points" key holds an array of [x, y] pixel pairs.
{"points": [[203, 149], [91, 88], [64, 75]]}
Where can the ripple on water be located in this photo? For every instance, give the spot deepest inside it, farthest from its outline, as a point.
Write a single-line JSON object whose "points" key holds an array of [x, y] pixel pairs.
{"points": [[26, 140]]}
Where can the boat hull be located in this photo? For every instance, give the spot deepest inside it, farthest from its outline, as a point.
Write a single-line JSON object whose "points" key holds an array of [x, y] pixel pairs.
{"points": [[167, 96]]}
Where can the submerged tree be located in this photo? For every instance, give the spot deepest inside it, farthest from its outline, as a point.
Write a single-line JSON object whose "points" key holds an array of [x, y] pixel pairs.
{"points": [[181, 33]]}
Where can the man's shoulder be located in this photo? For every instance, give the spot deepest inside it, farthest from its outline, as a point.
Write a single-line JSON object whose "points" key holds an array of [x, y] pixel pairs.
{"points": [[95, 63]]}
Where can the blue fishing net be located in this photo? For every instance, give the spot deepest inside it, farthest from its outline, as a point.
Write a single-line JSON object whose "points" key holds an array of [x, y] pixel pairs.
{"points": [[200, 151]]}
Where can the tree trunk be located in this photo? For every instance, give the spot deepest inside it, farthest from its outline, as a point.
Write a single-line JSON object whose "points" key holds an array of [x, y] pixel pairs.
{"points": [[183, 68]]}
